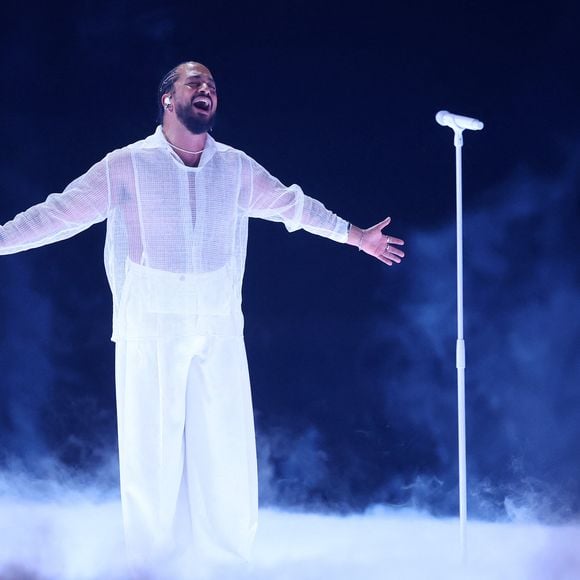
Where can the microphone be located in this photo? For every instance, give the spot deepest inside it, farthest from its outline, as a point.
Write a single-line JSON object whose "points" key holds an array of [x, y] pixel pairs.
{"points": [[448, 119]]}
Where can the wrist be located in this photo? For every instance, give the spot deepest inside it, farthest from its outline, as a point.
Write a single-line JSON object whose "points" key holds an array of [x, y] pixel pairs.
{"points": [[355, 236]]}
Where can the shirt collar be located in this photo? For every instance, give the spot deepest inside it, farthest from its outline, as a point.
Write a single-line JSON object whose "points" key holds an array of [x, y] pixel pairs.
{"points": [[158, 140]]}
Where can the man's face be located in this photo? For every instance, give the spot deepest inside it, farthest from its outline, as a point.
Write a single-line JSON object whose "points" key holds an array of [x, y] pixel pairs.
{"points": [[195, 98]]}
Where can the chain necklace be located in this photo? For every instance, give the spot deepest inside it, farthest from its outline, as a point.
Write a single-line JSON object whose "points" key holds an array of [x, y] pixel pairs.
{"points": [[180, 149]]}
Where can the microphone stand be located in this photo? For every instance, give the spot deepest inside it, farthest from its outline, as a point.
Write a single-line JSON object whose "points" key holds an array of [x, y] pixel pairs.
{"points": [[458, 125]]}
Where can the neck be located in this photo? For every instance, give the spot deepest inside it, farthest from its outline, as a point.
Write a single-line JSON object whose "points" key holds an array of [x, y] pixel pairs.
{"points": [[187, 145]]}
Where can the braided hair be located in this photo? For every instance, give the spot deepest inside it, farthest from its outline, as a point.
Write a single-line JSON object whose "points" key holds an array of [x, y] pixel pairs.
{"points": [[166, 86]]}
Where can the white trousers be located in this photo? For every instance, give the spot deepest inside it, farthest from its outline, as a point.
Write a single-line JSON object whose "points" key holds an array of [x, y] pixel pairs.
{"points": [[187, 452]]}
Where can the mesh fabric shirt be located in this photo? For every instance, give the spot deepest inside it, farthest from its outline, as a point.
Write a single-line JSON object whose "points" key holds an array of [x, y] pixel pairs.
{"points": [[170, 218]]}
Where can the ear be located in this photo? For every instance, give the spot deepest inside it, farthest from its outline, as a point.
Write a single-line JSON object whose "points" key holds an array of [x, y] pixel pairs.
{"points": [[166, 102]]}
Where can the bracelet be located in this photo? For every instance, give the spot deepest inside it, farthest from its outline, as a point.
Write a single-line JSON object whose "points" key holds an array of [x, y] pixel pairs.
{"points": [[361, 237]]}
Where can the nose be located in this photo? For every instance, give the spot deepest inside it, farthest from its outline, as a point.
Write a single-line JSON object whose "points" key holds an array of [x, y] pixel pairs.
{"points": [[203, 88]]}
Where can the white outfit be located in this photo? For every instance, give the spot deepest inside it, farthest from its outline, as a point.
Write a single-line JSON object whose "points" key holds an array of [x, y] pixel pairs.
{"points": [[174, 255]]}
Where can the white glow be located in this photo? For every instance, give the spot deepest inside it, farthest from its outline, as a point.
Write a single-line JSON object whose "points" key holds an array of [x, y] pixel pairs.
{"points": [[76, 538]]}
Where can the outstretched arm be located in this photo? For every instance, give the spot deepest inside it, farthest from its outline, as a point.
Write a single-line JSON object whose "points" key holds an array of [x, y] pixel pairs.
{"points": [[372, 241], [264, 196], [267, 198], [83, 203]]}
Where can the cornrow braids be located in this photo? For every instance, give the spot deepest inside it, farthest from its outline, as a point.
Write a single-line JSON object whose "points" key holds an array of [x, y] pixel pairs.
{"points": [[166, 86]]}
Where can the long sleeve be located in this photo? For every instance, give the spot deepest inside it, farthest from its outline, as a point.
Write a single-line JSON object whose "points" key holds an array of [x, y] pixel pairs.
{"points": [[268, 198], [62, 215]]}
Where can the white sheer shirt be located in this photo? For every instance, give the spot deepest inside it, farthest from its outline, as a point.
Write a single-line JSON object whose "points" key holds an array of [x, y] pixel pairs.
{"points": [[169, 217]]}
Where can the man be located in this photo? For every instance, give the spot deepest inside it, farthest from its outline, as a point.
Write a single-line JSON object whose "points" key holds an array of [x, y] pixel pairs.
{"points": [[177, 206]]}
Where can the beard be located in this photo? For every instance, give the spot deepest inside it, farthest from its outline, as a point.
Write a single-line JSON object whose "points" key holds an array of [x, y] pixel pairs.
{"points": [[193, 123]]}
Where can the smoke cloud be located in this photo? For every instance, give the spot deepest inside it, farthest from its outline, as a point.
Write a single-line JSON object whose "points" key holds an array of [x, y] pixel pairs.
{"points": [[522, 289], [393, 434], [75, 534]]}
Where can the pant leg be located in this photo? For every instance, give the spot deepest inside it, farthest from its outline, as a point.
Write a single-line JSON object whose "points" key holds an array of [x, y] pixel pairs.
{"points": [[151, 378], [220, 453]]}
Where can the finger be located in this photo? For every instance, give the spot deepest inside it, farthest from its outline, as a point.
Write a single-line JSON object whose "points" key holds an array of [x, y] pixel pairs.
{"points": [[397, 241], [384, 260], [396, 252], [383, 224], [393, 254]]}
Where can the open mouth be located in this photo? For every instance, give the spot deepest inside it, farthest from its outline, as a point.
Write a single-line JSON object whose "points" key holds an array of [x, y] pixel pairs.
{"points": [[202, 103]]}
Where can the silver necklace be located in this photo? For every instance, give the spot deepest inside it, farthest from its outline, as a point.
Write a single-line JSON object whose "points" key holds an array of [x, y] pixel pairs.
{"points": [[180, 149]]}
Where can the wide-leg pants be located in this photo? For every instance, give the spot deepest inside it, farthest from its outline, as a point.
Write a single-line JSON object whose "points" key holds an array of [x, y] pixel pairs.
{"points": [[186, 450]]}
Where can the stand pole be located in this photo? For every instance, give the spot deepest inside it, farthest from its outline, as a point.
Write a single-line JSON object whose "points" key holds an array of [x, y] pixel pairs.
{"points": [[458, 124], [460, 350]]}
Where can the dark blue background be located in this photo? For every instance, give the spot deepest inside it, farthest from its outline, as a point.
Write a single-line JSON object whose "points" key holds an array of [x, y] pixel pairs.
{"points": [[353, 364]]}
